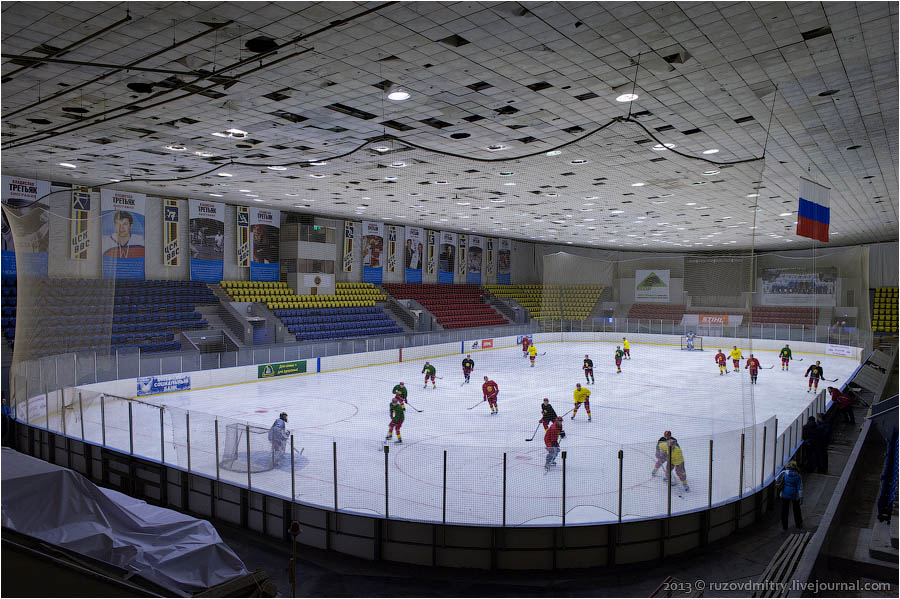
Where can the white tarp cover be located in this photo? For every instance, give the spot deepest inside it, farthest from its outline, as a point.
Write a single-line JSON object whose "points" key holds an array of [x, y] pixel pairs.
{"points": [[62, 507]]}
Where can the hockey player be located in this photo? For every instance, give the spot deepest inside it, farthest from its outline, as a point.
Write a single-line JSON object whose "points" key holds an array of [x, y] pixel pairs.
{"points": [[398, 413], [626, 347], [490, 389], [736, 357], [548, 414], [689, 343], [429, 371], [551, 441], [468, 365], [619, 354], [278, 434], [785, 356], [532, 353], [662, 451], [721, 361], [525, 343], [814, 372], [675, 461], [400, 389], [753, 366], [582, 395], [588, 369]]}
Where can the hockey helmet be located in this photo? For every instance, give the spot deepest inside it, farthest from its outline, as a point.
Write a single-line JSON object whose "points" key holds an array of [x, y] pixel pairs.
{"points": [[283, 416], [667, 434]]}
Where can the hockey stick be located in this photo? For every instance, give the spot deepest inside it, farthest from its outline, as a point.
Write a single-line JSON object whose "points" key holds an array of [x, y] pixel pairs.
{"points": [[476, 405], [299, 453], [830, 380], [768, 367], [798, 359], [414, 407], [535, 432]]}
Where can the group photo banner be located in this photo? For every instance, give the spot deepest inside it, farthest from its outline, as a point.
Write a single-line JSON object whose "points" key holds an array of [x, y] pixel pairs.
{"points": [[414, 254], [32, 225], [207, 241], [651, 286], [122, 230], [504, 264], [79, 232], [799, 286], [171, 218], [265, 229], [372, 251], [474, 257], [447, 257]]}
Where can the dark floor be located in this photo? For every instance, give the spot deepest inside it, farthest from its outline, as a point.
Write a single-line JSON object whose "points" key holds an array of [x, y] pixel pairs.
{"points": [[740, 557]]}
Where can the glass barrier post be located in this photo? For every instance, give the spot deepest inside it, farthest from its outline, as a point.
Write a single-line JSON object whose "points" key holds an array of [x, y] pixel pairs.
{"points": [[216, 433], [335, 477], [162, 436], [130, 429], [293, 478], [621, 456], [444, 492], [47, 409], [504, 489], [710, 479], [103, 419], [775, 448], [741, 470], [563, 488], [762, 468], [247, 435], [668, 479], [387, 451], [80, 411], [187, 427]]}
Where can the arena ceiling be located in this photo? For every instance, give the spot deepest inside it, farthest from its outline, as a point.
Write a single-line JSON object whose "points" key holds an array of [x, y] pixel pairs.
{"points": [[142, 95]]}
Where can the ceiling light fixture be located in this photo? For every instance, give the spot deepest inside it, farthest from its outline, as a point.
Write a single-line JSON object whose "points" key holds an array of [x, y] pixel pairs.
{"points": [[752, 195], [627, 98], [662, 147], [277, 168], [553, 153], [578, 161], [224, 174], [67, 165], [496, 147], [638, 184], [318, 175], [381, 148], [506, 173], [398, 164], [710, 173], [398, 94], [711, 151], [176, 148], [203, 154], [317, 163]]}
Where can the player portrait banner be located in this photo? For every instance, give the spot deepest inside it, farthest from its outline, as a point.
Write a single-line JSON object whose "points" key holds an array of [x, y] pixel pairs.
{"points": [[122, 229], [243, 236], [503, 261], [447, 258], [799, 286], [31, 216], [392, 249], [265, 241], [79, 234], [651, 286], [461, 256], [414, 254], [474, 257], [432, 242], [372, 251], [207, 241], [171, 249], [349, 232], [489, 257]]}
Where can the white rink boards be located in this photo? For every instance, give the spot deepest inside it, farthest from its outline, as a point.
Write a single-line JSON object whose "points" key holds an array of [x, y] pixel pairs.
{"points": [[346, 412]]}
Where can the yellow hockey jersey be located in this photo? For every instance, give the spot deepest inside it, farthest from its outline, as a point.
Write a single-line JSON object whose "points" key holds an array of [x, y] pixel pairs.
{"points": [[581, 394]]}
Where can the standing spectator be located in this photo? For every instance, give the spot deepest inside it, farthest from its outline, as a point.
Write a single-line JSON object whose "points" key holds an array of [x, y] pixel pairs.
{"points": [[791, 484], [824, 428], [844, 404], [810, 436]]}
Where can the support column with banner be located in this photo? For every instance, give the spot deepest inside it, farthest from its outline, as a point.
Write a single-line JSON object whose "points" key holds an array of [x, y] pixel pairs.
{"points": [[243, 237], [430, 258], [414, 254], [122, 228], [489, 257], [207, 241], [79, 233], [265, 229], [171, 249], [349, 234], [23, 196], [504, 262], [447, 258], [461, 259], [372, 251], [392, 248], [474, 259]]}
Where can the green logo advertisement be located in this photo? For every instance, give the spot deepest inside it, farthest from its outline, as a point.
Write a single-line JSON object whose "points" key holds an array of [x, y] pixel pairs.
{"points": [[651, 280], [267, 371]]}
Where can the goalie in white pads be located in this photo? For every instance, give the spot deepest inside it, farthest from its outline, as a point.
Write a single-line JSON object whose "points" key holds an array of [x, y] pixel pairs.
{"points": [[278, 434]]}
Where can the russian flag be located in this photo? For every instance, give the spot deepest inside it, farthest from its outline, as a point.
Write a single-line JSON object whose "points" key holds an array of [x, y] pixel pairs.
{"points": [[814, 214]]}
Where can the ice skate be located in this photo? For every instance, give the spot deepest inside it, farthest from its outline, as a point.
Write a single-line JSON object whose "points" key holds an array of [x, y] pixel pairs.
{"points": [[686, 487], [589, 418], [573, 417], [399, 440], [388, 437], [653, 473]]}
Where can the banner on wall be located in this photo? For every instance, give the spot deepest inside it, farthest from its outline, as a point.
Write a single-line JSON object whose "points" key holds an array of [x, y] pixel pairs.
{"points": [[489, 257], [265, 228], [447, 258], [503, 261], [372, 251], [171, 249], [349, 232], [461, 260], [392, 249], [799, 286], [122, 228], [474, 258], [651, 286], [207, 241], [79, 234], [432, 242], [243, 236], [414, 254], [32, 225]]}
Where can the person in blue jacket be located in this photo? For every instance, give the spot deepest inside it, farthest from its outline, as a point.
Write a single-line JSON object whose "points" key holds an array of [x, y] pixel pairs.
{"points": [[791, 493]]}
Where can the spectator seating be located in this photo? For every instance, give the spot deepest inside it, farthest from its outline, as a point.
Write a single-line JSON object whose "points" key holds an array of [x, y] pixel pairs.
{"points": [[572, 302], [8, 322], [799, 315], [673, 312], [454, 306], [278, 296], [94, 314], [884, 310], [308, 324]]}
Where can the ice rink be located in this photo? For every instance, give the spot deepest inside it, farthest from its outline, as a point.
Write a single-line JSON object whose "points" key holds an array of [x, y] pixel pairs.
{"points": [[345, 413]]}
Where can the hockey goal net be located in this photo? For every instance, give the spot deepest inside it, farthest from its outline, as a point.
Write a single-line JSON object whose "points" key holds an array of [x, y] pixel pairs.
{"points": [[696, 345], [250, 448]]}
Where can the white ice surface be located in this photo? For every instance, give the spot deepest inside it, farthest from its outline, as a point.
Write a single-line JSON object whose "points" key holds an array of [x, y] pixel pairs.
{"points": [[660, 388]]}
